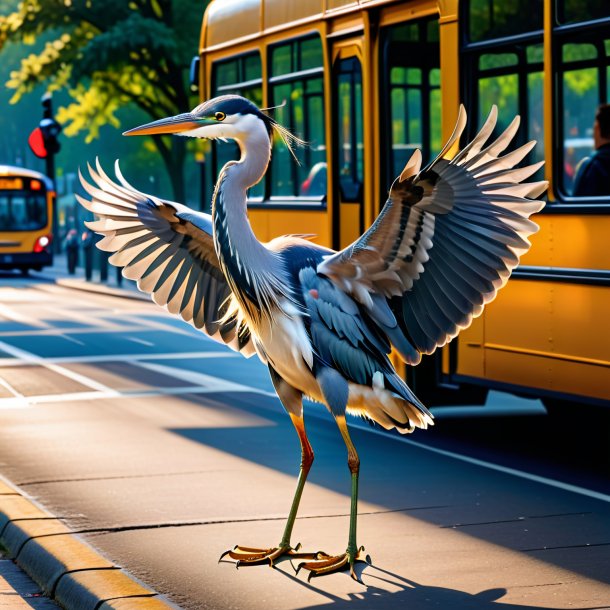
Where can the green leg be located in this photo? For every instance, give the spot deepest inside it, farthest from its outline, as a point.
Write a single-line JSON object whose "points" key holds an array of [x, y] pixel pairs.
{"points": [[327, 565], [352, 548], [253, 556], [306, 461]]}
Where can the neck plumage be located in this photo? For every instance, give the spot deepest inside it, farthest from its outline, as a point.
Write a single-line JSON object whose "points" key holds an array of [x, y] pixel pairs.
{"points": [[253, 272]]}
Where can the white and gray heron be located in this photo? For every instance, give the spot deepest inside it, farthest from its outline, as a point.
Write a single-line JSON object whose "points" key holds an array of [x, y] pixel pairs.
{"points": [[324, 322]]}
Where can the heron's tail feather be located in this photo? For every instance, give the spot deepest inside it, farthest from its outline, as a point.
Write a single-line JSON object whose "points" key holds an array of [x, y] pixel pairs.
{"points": [[389, 409]]}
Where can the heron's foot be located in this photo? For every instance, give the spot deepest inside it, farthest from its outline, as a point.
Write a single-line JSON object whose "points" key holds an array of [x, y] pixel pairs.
{"points": [[248, 556], [338, 563]]}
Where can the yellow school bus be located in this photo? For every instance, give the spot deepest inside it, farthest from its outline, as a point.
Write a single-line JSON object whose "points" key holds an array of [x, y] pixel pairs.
{"points": [[365, 82], [26, 200]]}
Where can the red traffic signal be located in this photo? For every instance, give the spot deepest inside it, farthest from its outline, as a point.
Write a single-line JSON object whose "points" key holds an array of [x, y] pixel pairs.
{"points": [[36, 142]]}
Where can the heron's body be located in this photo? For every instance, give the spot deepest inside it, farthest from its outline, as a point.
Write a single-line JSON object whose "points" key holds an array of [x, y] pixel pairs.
{"points": [[324, 322]]}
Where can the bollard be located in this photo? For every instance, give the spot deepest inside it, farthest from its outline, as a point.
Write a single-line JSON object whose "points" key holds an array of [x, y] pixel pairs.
{"points": [[87, 242], [103, 258], [71, 246]]}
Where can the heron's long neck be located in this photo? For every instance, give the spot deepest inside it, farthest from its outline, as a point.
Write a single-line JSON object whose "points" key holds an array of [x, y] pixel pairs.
{"points": [[248, 265]]}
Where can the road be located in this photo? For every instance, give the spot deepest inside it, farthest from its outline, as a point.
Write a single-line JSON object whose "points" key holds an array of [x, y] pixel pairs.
{"points": [[164, 449]]}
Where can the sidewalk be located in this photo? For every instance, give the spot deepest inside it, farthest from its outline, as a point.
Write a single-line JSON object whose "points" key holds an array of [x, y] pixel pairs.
{"points": [[59, 274], [65, 567]]}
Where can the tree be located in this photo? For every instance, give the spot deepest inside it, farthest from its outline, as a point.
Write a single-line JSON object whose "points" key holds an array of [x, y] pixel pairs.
{"points": [[107, 55]]}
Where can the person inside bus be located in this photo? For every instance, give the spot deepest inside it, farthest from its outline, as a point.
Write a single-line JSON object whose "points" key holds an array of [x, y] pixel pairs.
{"points": [[593, 175]]}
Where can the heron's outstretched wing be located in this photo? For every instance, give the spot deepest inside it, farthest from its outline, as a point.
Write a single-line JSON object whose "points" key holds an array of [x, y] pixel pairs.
{"points": [[168, 249], [446, 241]]}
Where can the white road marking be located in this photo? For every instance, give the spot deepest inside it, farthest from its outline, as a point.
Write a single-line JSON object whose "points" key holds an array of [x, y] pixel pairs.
{"points": [[205, 382], [140, 341], [4, 362], [29, 358], [67, 337], [156, 325], [491, 466], [11, 314], [67, 312], [28, 401], [16, 395], [236, 387], [79, 331]]}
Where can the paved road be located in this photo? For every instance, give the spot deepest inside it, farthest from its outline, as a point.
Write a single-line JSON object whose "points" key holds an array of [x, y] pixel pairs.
{"points": [[164, 449]]}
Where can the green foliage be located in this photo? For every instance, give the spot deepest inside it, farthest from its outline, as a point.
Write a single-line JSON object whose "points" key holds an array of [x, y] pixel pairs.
{"points": [[108, 55], [498, 18]]}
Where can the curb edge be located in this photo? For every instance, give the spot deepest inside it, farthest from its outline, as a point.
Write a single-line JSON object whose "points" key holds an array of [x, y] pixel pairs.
{"points": [[66, 567]]}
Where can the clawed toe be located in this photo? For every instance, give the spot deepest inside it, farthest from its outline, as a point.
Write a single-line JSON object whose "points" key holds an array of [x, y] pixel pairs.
{"points": [[326, 564], [249, 556]]}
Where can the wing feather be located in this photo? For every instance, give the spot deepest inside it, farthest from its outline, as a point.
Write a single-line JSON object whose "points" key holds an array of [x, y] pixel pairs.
{"points": [[447, 239], [168, 249]]}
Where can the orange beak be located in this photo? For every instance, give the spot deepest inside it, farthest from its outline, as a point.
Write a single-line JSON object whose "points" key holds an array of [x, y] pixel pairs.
{"points": [[174, 124]]}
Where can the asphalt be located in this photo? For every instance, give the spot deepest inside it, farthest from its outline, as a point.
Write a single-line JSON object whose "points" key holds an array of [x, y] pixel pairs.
{"points": [[160, 450]]}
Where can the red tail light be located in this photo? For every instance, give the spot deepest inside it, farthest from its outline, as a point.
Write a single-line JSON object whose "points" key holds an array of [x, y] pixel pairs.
{"points": [[42, 243]]}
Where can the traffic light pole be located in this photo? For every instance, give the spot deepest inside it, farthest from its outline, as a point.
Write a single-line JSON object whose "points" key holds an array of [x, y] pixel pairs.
{"points": [[47, 113]]}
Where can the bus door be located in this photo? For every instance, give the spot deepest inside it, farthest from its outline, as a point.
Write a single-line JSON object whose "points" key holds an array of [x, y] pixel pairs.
{"points": [[348, 140], [411, 94]]}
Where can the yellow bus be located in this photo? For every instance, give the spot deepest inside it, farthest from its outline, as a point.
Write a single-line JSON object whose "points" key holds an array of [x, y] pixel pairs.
{"points": [[26, 200], [365, 82]]}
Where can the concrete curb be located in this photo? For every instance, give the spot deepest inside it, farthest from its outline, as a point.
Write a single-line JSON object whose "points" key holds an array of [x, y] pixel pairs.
{"points": [[67, 569]]}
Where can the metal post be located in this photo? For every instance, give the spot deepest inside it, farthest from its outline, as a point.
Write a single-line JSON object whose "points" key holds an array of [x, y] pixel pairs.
{"points": [[47, 113]]}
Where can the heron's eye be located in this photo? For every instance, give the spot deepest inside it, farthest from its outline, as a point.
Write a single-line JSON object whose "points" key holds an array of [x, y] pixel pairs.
{"points": [[220, 116]]}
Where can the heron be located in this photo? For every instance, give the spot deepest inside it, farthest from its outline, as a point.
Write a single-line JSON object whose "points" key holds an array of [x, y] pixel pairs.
{"points": [[323, 321]]}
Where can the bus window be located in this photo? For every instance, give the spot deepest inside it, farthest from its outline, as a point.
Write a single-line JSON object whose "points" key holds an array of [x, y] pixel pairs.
{"points": [[296, 85], [506, 71], [575, 11], [22, 212], [241, 76], [411, 64], [491, 19], [350, 129], [584, 69]]}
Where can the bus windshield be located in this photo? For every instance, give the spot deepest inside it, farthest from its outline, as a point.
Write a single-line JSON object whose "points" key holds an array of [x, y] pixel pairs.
{"points": [[22, 211]]}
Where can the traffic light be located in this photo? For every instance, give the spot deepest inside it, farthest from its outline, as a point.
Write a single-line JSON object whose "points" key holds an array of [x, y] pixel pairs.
{"points": [[50, 130], [43, 140]]}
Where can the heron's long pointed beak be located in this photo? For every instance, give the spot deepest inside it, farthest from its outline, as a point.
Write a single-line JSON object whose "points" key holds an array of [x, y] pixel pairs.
{"points": [[174, 124]]}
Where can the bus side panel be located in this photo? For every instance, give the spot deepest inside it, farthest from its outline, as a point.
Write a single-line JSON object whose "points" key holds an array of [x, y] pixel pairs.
{"points": [[20, 241], [349, 228], [550, 335], [517, 325], [470, 354], [268, 224], [259, 221], [570, 241]]}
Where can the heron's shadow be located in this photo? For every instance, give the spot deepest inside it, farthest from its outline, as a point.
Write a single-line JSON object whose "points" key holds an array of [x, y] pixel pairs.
{"points": [[410, 594]]}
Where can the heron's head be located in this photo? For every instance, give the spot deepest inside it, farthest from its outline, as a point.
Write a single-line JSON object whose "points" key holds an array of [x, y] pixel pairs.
{"points": [[225, 117]]}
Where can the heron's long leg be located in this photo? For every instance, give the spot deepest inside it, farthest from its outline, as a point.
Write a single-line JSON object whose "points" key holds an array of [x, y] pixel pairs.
{"points": [[291, 399], [306, 461], [353, 461], [327, 565]]}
